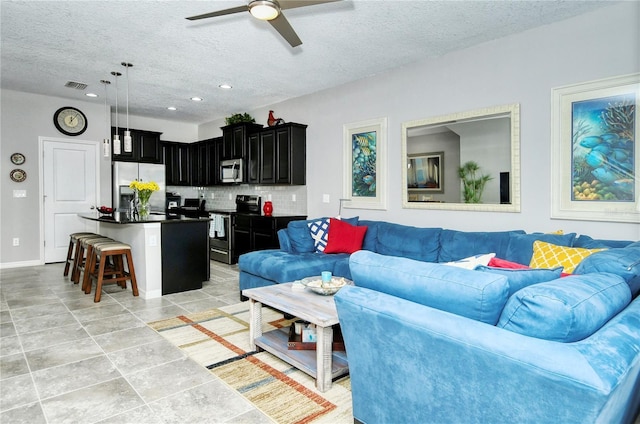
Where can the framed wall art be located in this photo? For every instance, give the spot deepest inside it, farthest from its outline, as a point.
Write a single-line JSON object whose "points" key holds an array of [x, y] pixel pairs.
{"points": [[595, 153], [365, 163], [425, 171]]}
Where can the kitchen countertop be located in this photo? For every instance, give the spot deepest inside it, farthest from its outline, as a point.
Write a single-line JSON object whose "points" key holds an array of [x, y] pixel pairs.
{"points": [[124, 218]]}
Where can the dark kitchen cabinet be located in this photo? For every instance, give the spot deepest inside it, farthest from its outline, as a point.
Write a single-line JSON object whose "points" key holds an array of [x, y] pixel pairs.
{"points": [[145, 146], [291, 154], [234, 139], [258, 232], [204, 163], [277, 155], [177, 159]]}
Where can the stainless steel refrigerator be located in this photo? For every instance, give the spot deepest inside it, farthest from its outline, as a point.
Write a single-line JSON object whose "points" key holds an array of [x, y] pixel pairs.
{"points": [[125, 172]]}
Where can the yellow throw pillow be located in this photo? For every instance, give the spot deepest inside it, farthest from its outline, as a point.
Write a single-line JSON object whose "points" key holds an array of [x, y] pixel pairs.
{"points": [[547, 255]]}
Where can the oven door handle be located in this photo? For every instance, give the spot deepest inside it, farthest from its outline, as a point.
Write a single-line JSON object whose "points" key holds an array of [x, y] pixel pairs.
{"points": [[222, 252]]}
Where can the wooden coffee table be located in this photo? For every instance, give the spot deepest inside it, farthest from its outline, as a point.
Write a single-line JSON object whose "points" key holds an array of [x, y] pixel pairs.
{"points": [[323, 364]]}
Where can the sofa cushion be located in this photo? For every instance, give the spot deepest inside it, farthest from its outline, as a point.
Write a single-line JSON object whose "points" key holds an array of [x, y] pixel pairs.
{"points": [[456, 245], [299, 236], [567, 309], [283, 267], [624, 262], [548, 255], [590, 243], [520, 248], [344, 237], [520, 278], [479, 296], [421, 244]]}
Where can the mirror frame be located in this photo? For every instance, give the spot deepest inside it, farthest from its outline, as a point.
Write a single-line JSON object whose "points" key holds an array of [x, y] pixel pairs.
{"points": [[513, 110]]}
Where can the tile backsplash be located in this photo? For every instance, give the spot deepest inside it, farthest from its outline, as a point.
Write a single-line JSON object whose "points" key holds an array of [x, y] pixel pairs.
{"points": [[224, 197]]}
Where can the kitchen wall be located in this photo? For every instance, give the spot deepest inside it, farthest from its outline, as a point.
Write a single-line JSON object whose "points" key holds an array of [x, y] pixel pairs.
{"points": [[522, 68]]}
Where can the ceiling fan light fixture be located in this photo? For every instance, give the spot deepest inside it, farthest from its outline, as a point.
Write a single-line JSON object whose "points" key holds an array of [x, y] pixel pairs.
{"points": [[265, 10]]}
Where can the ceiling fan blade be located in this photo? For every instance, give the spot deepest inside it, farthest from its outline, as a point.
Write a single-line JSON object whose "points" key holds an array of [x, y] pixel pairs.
{"points": [[286, 30], [220, 13], [292, 4]]}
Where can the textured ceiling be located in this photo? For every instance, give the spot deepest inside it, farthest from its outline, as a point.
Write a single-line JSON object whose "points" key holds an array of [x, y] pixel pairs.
{"points": [[47, 43]]}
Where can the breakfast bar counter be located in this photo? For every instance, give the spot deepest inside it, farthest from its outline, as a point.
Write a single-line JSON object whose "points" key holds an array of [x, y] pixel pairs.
{"points": [[170, 253]]}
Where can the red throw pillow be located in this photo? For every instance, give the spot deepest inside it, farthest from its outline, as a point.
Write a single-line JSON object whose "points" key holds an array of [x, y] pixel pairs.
{"points": [[344, 237], [503, 263]]}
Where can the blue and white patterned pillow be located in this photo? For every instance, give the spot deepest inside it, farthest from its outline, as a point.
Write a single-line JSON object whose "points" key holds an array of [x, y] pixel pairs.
{"points": [[319, 230]]}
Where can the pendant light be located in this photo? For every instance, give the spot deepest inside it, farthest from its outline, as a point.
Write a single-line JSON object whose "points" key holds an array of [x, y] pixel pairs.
{"points": [[117, 146], [106, 147], [127, 134]]}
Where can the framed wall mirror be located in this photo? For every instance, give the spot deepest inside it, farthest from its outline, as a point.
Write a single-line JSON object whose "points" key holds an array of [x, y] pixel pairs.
{"points": [[485, 143]]}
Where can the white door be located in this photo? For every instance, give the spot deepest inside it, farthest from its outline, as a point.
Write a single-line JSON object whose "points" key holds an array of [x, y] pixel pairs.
{"points": [[69, 187]]}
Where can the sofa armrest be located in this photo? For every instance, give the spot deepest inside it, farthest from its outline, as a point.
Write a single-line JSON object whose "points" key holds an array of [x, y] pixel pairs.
{"points": [[454, 369], [284, 240]]}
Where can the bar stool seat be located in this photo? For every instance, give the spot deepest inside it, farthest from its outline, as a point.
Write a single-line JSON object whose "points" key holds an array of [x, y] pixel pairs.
{"points": [[101, 253], [73, 239]]}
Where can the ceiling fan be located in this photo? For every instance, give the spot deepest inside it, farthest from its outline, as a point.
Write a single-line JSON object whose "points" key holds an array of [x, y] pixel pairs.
{"points": [[269, 10]]}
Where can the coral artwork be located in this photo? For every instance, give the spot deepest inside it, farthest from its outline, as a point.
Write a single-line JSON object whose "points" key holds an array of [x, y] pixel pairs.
{"points": [[363, 146], [603, 149]]}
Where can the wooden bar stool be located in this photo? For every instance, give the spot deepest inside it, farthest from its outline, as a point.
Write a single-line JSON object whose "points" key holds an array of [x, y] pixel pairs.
{"points": [[85, 253], [80, 257], [73, 239], [101, 253]]}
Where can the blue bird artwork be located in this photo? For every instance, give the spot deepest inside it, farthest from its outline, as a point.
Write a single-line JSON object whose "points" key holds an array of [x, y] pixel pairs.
{"points": [[603, 138]]}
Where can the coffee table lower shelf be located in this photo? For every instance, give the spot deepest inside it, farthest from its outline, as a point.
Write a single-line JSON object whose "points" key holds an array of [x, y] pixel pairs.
{"points": [[275, 342]]}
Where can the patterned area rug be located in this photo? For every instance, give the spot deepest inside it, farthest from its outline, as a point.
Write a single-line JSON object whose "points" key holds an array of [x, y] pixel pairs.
{"points": [[218, 339]]}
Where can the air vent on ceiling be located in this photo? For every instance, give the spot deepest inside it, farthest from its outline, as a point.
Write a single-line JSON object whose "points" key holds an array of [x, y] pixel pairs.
{"points": [[76, 85]]}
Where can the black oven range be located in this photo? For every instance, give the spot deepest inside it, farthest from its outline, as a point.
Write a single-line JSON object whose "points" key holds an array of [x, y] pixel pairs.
{"points": [[221, 230]]}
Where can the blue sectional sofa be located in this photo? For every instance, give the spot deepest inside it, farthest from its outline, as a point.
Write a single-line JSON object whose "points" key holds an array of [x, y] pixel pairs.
{"points": [[429, 342]]}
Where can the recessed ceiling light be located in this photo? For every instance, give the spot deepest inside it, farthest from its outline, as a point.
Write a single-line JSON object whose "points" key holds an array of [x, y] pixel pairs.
{"points": [[91, 95], [225, 86], [172, 108], [197, 99]]}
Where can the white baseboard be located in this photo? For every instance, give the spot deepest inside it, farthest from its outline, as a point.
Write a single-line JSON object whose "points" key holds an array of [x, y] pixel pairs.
{"points": [[7, 265]]}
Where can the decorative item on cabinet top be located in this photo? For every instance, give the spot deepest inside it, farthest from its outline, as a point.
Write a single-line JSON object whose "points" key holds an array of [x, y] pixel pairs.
{"points": [[272, 121]]}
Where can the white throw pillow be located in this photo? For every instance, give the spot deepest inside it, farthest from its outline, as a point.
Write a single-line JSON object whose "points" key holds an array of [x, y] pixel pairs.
{"points": [[472, 261]]}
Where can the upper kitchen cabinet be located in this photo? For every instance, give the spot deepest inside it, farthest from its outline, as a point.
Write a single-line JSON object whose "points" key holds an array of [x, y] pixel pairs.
{"points": [[277, 155], [235, 138], [177, 160], [145, 147], [204, 162]]}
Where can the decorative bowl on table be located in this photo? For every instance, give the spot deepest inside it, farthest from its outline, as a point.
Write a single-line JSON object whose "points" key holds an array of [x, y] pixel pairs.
{"points": [[105, 210], [316, 285]]}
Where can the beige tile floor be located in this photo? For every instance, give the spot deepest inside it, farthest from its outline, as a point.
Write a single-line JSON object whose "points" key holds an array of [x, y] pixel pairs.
{"points": [[66, 359]]}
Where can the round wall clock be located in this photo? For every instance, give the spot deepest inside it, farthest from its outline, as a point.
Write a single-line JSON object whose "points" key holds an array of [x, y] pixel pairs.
{"points": [[17, 158], [70, 121], [18, 175]]}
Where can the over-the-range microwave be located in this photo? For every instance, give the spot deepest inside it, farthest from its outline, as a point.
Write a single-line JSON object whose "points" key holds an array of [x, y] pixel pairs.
{"points": [[231, 171]]}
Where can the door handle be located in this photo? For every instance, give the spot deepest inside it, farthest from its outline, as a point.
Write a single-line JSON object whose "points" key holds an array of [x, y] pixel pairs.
{"points": [[92, 207]]}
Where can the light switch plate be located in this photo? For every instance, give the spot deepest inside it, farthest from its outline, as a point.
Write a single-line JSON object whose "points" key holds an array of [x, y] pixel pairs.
{"points": [[325, 198]]}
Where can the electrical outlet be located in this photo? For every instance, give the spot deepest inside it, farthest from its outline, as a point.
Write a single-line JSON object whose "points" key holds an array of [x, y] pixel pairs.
{"points": [[326, 198], [19, 193], [16, 241], [230, 196], [293, 197], [153, 240], [213, 195]]}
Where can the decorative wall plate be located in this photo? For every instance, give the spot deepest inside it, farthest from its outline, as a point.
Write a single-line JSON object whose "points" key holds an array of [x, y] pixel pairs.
{"points": [[18, 175], [17, 158]]}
